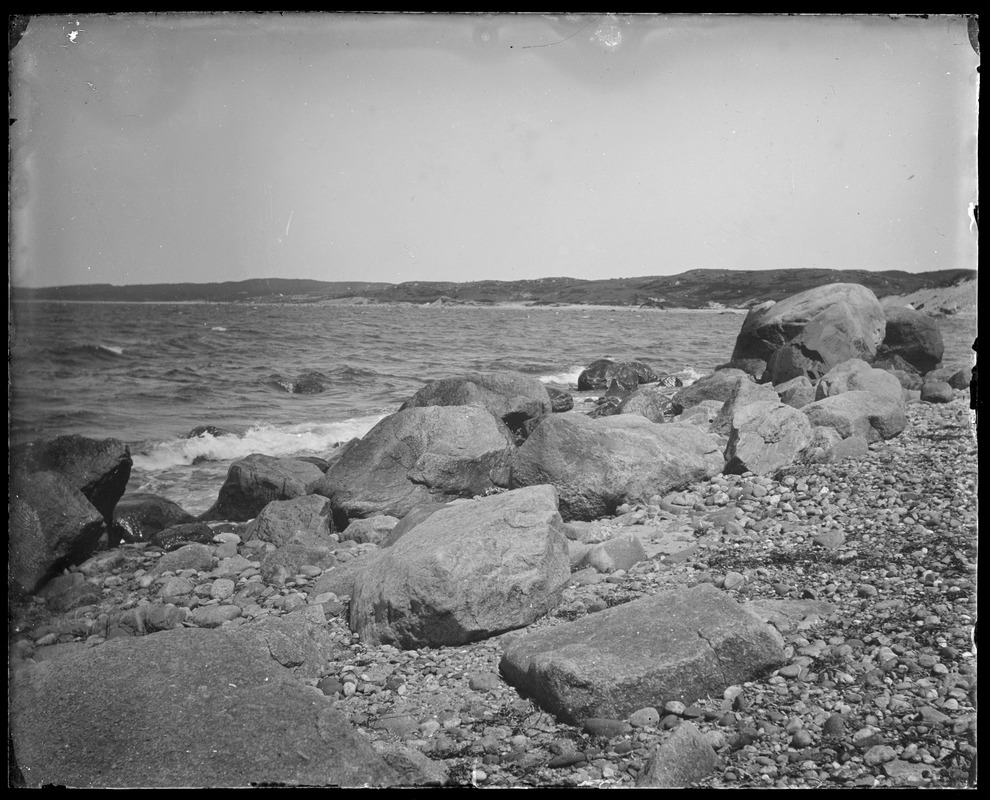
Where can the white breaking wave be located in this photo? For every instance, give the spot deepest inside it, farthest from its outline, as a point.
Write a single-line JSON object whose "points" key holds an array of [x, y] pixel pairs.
{"points": [[117, 351], [688, 375], [564, 378], [272, 440]]}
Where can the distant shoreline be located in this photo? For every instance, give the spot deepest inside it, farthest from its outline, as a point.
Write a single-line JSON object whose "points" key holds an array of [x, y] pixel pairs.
{"points": [[386, 304]]}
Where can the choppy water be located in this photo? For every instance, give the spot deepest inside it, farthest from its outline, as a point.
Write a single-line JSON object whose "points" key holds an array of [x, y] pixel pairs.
{"points": [[149, 373]]}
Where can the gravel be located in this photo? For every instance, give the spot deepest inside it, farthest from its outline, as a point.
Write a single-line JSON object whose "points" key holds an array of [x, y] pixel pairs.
{"points": [[878, 693]]}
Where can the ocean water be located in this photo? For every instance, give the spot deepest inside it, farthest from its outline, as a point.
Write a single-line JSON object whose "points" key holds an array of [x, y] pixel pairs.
{"points": [[148, 374]]}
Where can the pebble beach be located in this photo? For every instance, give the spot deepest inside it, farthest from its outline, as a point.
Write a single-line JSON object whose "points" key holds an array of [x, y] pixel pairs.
{"points": [[867, 568]]}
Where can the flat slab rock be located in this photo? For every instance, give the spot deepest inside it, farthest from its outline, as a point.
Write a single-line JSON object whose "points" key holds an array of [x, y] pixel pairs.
{"points": [[679, 645], [182, 708]]}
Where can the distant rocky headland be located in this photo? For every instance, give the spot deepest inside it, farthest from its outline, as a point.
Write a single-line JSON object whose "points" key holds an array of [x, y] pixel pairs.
{"points": [[697, 288]]}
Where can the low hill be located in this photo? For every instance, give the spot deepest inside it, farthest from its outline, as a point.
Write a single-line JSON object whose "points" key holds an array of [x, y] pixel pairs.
{"points": [[698, 288]]}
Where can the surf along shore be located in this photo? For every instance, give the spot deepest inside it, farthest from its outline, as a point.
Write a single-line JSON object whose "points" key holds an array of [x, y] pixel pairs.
{"points": [[866, 567]]}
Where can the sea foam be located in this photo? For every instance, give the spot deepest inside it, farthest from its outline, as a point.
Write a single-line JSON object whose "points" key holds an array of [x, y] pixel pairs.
{"points": [[273, 440]]}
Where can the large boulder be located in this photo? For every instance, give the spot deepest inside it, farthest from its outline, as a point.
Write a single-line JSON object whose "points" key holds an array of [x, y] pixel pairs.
{"points": [[51, 525], [510, 396], [253, 482], [867, 414], [467, 572], [99, 468], [855, 375], [914, 336], [185, 707], [627, 374], [745, 393], [139, 516], [598, 464], [718, 386], [679, 645], [765, 437], [307, 520], [416, 456], [811, 332]]}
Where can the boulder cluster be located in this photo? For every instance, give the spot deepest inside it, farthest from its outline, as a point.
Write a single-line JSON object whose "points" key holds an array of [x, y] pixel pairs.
{"points": [[468, 516]]}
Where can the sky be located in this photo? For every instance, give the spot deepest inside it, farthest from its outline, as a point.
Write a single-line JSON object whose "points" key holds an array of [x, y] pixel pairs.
{"points": [[167, 148]]}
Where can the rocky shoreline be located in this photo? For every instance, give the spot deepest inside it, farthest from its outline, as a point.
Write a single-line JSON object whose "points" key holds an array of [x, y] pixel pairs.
{"points": [[765, 578], [867, 568]]}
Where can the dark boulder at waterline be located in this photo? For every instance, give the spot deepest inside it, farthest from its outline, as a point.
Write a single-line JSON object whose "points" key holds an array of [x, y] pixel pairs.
{"points": [[254, 481], [138, 517], [602, 373], [50, 525], [99, 468]]}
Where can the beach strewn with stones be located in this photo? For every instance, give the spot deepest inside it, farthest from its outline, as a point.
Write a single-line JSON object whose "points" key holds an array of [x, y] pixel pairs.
{"points": [[746, 582]]}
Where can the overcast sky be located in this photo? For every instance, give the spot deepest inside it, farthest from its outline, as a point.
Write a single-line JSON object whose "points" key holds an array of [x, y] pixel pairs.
{"points": [[174, 147]]}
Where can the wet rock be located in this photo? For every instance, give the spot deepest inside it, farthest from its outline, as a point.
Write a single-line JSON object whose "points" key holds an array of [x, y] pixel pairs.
{"points": [[139, 516], [255, 481]]}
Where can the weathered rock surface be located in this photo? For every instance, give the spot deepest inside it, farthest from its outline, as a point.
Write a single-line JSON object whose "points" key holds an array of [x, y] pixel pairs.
{"points": [[176, 536], [417, 456], [601, 373], [510, 396], [306, 519], [621, 552], [678, 645], [51, 525], [797, 392], [872, 416], [374, 530], [560, 400], [855, 375], [139, 516], [467, 572], [913, 336], [810, 332], [254, 481], [743, 394], [651, 402], [718, 386], [935, 391], [185, 707], [765, 437], [595, 465], [685, 758]]}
